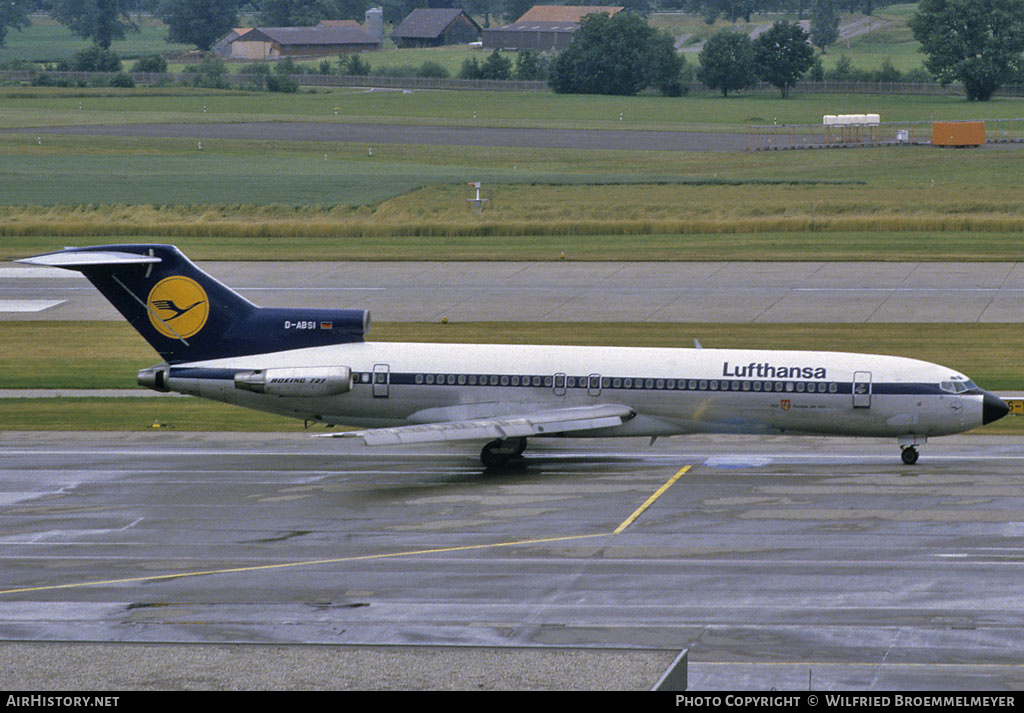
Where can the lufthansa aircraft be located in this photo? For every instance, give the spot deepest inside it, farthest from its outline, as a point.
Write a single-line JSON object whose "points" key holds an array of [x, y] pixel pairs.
{"points": [[314, 364]]}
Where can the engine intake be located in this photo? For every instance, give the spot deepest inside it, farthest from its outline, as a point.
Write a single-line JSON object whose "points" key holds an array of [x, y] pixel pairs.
{"points": [[155, 377]]}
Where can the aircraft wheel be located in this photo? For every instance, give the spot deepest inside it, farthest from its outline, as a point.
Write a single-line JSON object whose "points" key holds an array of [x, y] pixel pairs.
{"points": [[495, 455], [520, 446], [909, 455]]}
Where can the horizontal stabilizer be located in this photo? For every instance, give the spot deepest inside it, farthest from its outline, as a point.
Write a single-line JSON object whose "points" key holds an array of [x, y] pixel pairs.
{"points": [[77, 260], [581, 418]]}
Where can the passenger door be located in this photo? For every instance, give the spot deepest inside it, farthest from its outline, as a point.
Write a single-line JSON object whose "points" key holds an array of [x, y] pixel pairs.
{"points": [[862, 389]]}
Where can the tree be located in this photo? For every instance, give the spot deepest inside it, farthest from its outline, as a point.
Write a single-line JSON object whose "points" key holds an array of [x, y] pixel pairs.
{"points": [[618, 54], [782, 55], [824, 23], [512, 10], [496, 67], [296, 13], [198, 22], [101, 21], [978, 42], [530, 65], [13, 13], [727, 62]]}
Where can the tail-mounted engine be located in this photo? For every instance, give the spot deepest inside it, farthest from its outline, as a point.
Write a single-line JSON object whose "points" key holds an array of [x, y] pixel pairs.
{"points": [[296, 382]]}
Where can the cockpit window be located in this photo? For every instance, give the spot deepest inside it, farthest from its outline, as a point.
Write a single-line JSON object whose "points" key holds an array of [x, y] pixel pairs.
{"points": [[957, 385]]}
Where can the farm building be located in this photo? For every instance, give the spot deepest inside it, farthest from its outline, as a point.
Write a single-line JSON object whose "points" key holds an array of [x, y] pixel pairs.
{"points": [[425, 27], [223, 46], [318, 41], [543, 27]]}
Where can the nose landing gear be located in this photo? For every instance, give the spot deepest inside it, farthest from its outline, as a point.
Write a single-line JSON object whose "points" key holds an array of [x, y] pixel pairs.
{"points": [[909, 455], [908, 448]]}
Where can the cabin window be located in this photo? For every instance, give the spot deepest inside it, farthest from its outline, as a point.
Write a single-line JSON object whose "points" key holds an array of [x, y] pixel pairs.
{"points": [[832, 388], [462, 379], [757, 386]]}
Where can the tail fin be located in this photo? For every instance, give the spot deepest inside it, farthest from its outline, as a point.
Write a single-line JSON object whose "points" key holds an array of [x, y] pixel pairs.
{"points": [[186, 315]]}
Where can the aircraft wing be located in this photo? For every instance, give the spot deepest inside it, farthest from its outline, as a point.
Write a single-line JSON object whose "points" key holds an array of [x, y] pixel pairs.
{"points": [[576, 418]]}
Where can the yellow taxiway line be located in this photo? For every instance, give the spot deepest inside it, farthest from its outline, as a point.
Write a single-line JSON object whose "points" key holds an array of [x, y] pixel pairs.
{"points": [[358, 558], [650, 501]]}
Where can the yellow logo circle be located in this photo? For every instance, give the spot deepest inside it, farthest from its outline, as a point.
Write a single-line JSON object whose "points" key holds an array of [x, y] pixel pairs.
{"points": [[178, 307]]}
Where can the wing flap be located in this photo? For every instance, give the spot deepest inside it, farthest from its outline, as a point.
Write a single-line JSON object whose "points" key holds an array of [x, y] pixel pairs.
{"points": [[581, 418]]}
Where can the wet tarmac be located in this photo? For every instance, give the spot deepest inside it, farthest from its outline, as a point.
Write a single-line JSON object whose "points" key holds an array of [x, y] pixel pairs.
{"points": [[777, 562]]}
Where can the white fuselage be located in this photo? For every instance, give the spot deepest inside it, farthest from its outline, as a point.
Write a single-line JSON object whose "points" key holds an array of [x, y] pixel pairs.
{"points": [[672, 391]]}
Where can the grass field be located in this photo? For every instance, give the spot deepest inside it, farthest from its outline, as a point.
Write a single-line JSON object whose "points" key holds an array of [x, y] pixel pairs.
{"points": [[50, 106], [45, 40], [313, 200]]}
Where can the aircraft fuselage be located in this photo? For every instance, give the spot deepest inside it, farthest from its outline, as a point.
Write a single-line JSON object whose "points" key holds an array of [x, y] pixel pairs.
{"points": [[671, 391]]}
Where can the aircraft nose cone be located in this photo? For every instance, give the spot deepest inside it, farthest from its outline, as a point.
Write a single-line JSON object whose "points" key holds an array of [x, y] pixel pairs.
{"points": [[993, 408]]}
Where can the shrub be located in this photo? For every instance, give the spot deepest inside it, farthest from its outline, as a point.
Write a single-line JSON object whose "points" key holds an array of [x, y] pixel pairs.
{"points": [[153, 63], [432, 69], [122, 79], [211, 73], [353, 65], [92, 59]]}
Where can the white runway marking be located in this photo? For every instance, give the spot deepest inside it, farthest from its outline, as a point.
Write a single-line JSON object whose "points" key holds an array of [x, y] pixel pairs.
{"points": [[737, 462], [28, 305]]}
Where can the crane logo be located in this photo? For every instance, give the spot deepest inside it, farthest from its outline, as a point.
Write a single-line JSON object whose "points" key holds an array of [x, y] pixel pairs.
{"points": [[178, 307]]}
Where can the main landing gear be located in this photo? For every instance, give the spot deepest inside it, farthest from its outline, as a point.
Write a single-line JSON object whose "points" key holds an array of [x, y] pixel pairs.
{"points": [[499, 453]]}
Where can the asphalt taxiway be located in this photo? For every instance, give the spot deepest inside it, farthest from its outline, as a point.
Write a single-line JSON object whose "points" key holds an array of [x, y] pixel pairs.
{"points": [[578, 139], [777, 562], [571, 291]]}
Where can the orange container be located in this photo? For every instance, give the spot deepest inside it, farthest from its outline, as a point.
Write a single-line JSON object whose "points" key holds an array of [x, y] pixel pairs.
{"points": [[958, 133]]}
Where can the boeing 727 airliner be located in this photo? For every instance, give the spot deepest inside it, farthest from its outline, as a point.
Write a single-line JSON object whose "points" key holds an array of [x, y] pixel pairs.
{"points": [[314, 364]]}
